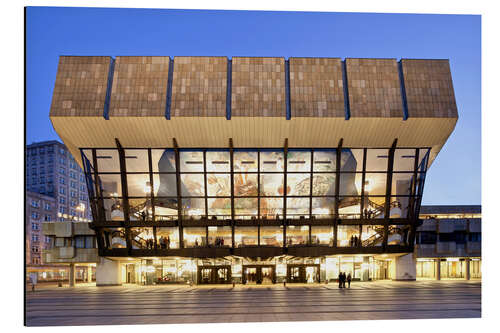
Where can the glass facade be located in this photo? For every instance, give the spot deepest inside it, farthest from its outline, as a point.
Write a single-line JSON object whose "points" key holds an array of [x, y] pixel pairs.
{"points": [[145, 197]]}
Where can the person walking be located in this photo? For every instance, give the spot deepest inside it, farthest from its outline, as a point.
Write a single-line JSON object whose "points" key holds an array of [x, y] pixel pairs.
{"points": [[340, 279], [349, 280]]}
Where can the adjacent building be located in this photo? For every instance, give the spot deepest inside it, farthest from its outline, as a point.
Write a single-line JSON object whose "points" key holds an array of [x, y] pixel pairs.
{"points": [[55, 191], [448, 243], [253, 170], [52, 171]]}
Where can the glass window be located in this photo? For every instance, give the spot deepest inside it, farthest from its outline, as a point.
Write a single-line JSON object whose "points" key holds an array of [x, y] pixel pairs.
{"points": [[377, 159], [297, 208], [323, 184], [137, 160], [165, 209], [192, 185], [194, 236], [350, 207], [113, 209], [299, 184], [219, 184], [108, 160], [111, 185], [323, 207], [375, 183], [401, 183], [399, 207], [374, 207], [351, 160], [271, 161], [142, 238], [245, 161], [116, 238], [167, 237], [165, 184], [271, 235], [372, 235], [79, 242], [219, 208], [163, 160], [271, 208], [193, 208], [298, 161], [350, 183], [325, 160], [404, 159], [322, 235], [347, 235], [218, 161], [219, 236], [244, 208], [191, 161], [140, 209], [271, 184], [245, 184], [297, 235], [139, 185], [245, 236]]}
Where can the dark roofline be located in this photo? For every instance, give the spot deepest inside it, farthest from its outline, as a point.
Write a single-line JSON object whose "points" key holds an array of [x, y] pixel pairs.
{"points": [[450, 209], [45, 143]]}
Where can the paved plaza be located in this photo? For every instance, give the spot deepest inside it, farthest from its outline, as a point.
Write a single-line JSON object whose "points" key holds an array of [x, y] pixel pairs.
{"points": [[131, 304]]}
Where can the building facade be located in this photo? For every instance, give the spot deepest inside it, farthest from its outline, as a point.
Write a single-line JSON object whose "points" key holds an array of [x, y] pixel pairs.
{"points": [[448, 243], [72, 244], [52, 171], [253, 170], [39, 209]]}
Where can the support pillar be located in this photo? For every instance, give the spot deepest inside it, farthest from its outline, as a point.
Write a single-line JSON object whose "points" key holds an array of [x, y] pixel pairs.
{"points": [[108, 273], [467, 268], [72, 275], [438, 269], [405, 268]]}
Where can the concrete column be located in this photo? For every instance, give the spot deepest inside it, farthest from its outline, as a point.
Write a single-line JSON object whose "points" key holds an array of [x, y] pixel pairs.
{"points": [[467, 268], [405, 268], [438, 269], [108, 273], [72, 275], [365, 269]]}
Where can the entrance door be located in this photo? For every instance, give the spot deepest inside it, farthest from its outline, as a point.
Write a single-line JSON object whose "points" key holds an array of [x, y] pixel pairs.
{"points": [[258, 274], [312, 274], [222, 275], [250, 275], [214, 274], [267, 275]]}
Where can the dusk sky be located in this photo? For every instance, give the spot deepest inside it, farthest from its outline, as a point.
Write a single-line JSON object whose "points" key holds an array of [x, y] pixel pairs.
{"points": [[454, 177]]}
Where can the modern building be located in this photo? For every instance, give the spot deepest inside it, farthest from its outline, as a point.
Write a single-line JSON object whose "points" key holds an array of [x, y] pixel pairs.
{"points": [[448, 243], [52, 171], [72, 244], [253, 170]]}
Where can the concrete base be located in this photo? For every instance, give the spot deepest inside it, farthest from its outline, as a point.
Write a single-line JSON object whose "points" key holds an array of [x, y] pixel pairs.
{"points": [[108, 273], [405, 268]]}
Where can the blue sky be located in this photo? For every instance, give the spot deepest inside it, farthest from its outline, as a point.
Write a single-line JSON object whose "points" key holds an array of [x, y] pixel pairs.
{"points": [[455, 176]]}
